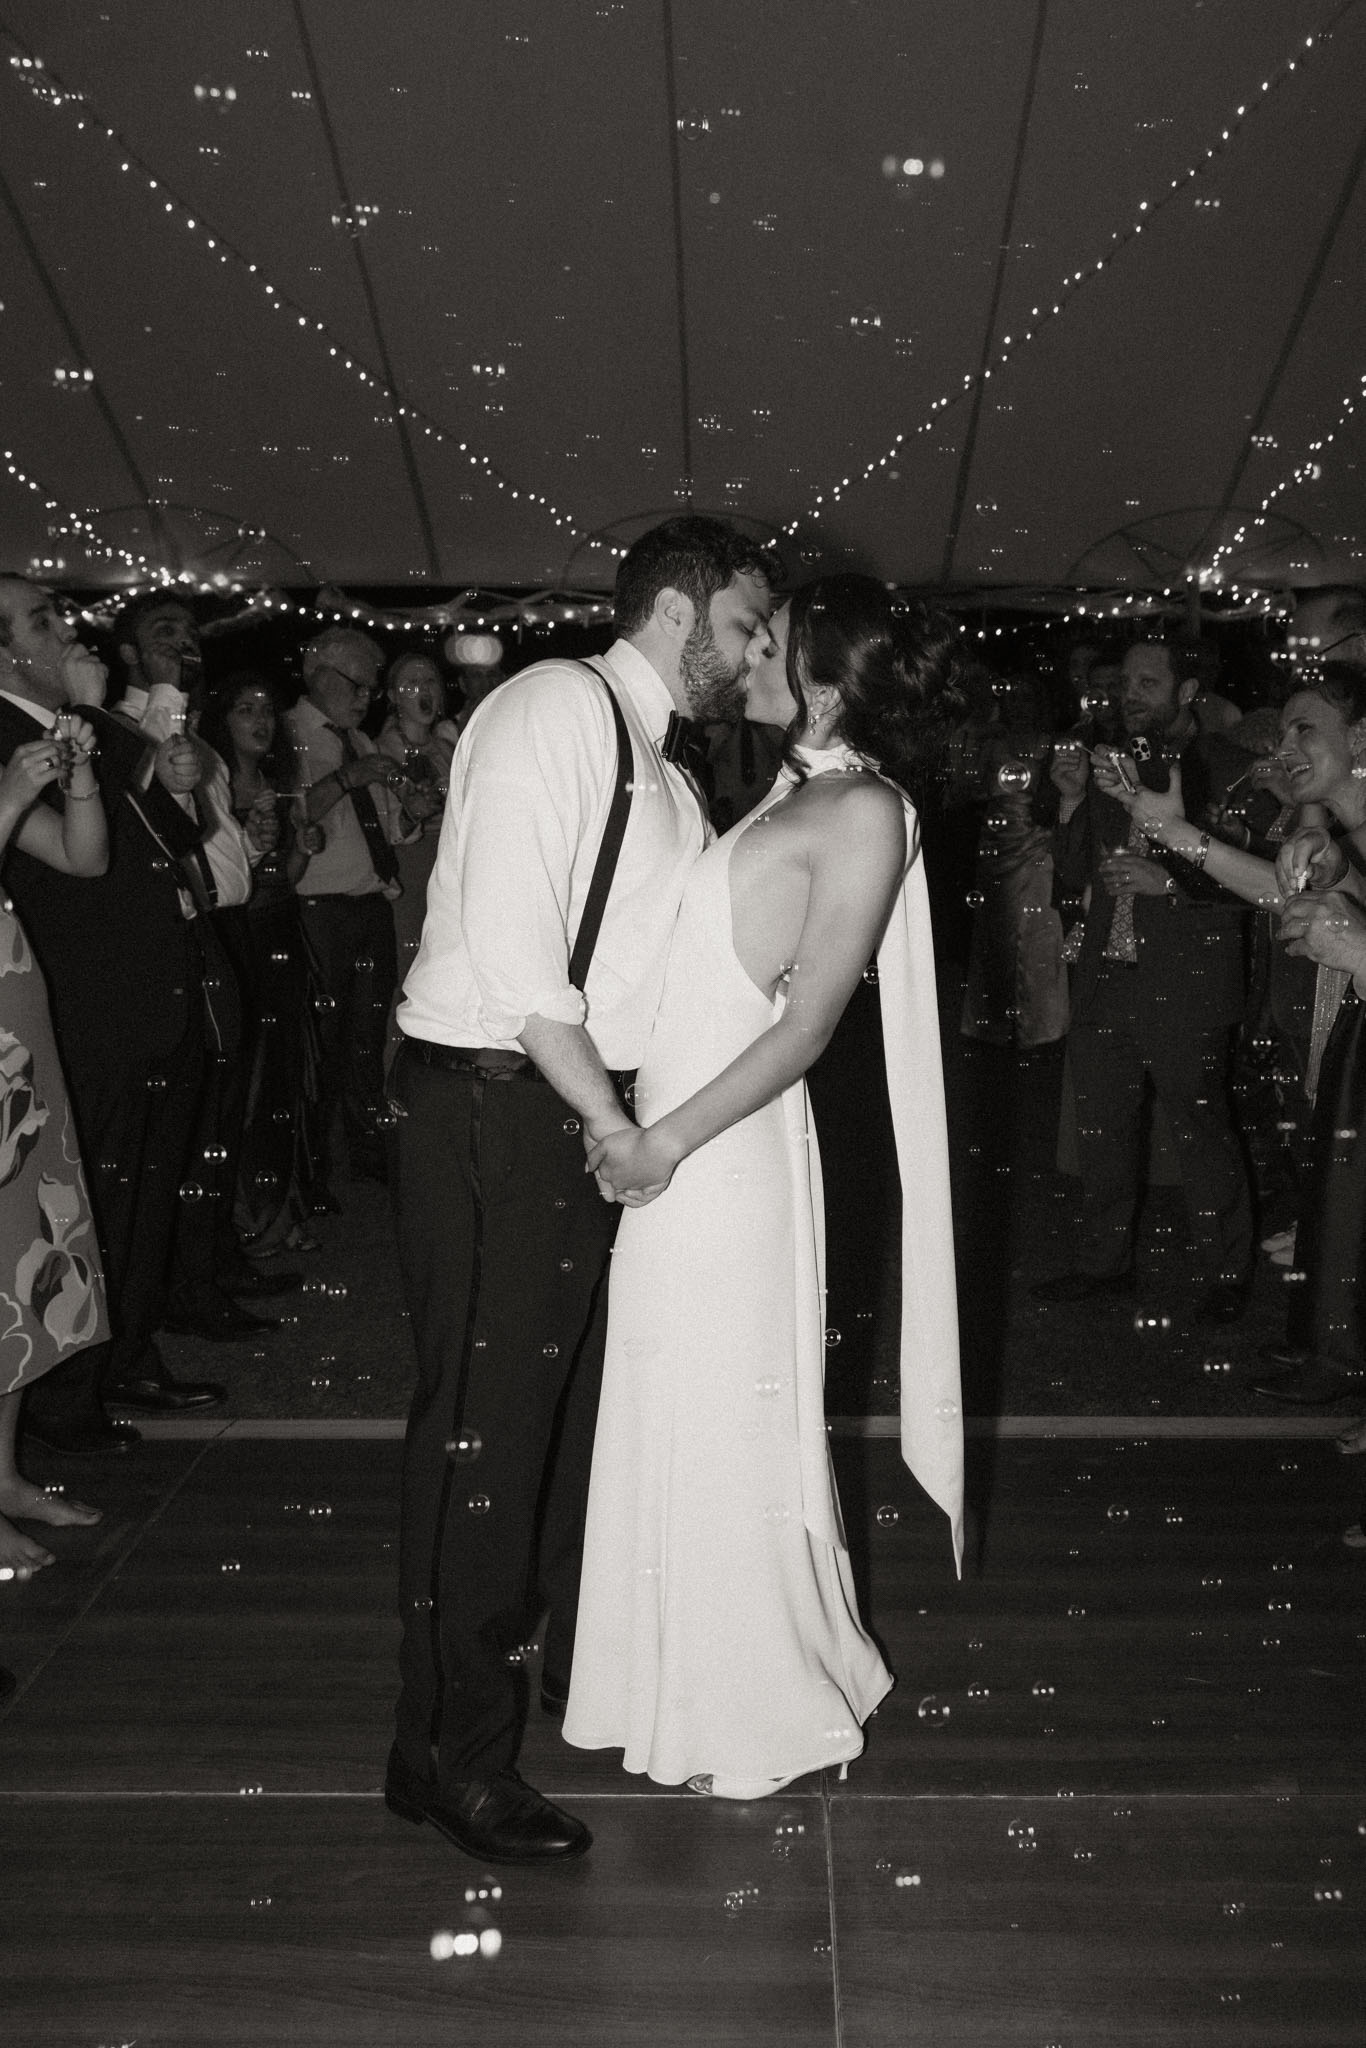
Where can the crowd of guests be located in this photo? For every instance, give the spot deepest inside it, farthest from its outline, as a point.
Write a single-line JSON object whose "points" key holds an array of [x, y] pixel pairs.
{"points": [[221, 889], [1173, 887], [211, 896]]}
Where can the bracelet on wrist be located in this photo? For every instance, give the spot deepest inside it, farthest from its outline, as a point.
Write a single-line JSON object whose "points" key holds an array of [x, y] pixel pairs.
{"points": [[78, 796], [1201, 853]]}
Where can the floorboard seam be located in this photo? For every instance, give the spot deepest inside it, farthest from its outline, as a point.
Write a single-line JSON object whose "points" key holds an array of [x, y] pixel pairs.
{"points": [[106, 1578], [834, 1926]]}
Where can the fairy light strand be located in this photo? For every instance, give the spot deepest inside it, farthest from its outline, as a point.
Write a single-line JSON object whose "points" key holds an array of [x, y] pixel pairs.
{"points": [[48, 89], [1307, 470], [1076, 281], [89, 535]]}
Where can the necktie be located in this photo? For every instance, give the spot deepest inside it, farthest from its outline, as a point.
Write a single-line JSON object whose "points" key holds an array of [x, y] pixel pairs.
{"points": [[1122, 943], [382, 857]]}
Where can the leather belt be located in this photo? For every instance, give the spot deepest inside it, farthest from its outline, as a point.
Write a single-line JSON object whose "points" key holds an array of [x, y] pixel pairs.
{"points": [[495, 1062]]}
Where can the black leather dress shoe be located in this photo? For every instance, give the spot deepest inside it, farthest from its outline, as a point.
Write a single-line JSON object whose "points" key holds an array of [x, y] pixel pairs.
{"points": [[1082, 1286], [220, 1322], [252, 1283], [82, 1439], [1222, 1303], [498, 1819], [554, 1695], [164, 1395], [1313, 1385]]}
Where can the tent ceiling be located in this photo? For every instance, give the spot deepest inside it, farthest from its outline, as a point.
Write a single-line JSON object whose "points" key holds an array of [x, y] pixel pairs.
{"points": [[476, 206]]}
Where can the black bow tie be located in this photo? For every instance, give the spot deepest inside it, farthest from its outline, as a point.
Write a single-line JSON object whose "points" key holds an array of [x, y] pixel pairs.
{"points": [[685, 743]]}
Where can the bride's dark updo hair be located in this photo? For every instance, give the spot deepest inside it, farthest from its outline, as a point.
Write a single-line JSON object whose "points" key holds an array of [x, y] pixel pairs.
{"points": [[894, 663]]}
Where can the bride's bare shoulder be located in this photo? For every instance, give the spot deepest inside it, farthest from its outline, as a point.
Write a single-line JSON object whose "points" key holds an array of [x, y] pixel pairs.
{"points": [[863, 807]]}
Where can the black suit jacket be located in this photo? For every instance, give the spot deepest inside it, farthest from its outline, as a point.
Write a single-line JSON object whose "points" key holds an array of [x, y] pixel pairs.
{"points": [[1192, 945], [118, 956]]}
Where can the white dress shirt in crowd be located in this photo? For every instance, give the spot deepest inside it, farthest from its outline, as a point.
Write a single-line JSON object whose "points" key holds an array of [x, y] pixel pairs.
{"points": [[531, 787], [231, 856], [344, 867]]}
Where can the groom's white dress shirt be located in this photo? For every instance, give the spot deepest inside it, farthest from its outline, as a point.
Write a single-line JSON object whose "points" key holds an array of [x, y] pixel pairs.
{"points": [[530, 789]]}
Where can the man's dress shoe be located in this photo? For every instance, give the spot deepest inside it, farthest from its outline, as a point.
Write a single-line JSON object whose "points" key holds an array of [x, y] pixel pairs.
{"points": [[163, 1395], [218, 1322], [498, 1819], [1313, 1385], [82, 1438], [251, 1283], [1082, 1286]]}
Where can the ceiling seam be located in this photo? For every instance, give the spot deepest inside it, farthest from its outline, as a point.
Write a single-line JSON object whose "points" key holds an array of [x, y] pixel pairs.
{"points": [[160, 530], [680, 266], [421, 507], [965, 459]]}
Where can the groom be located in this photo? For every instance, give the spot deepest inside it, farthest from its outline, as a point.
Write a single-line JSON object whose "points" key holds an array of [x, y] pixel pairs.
{"points": [[505, 1070]]}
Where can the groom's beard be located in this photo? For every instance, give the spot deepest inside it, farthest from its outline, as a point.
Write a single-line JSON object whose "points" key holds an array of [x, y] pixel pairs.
{"points": [[715, 691]]}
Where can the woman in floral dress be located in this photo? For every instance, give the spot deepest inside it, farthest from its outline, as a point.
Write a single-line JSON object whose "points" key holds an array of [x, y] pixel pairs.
{"points": [[51, 1286]]}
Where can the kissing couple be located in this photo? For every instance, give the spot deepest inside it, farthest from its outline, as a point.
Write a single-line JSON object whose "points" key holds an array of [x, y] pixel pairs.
{"points": [[599, 975]]}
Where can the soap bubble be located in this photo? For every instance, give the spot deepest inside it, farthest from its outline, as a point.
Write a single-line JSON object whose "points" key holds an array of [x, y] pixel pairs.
{"points": [[1022, 1835], [479, 1503], [466, 1447], [1014, 775], [933, 1710], [191, 1192], [1116, 1513], [888, 1517], [832, 1338]]}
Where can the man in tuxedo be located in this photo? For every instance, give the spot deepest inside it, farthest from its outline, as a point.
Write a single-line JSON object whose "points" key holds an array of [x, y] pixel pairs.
{"points": [[1157, 989], [507, 1068], [123, 980], [158, 642]]}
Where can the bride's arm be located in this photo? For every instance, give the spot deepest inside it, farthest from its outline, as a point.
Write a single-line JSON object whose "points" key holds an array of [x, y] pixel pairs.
{"points": [[858, 857]]}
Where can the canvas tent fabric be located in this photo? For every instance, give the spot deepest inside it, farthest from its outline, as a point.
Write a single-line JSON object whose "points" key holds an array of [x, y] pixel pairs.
{"points": [[974, 292]]}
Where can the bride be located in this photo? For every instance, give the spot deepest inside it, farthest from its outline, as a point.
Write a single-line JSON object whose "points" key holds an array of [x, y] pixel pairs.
{"points": [[718, 1640]]}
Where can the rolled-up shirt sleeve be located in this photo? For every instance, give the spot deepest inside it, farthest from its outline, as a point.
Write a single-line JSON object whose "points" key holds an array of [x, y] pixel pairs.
{"points": [[531, 810]]}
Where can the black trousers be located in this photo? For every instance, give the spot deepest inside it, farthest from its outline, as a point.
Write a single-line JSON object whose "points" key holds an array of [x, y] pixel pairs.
{"points": [[1125, 1035], [135, 1124], [504, 1244], [355, 958]]}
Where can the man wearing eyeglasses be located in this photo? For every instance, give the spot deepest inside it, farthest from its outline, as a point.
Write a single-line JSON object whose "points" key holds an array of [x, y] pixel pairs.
{"points": [[365, 807]]}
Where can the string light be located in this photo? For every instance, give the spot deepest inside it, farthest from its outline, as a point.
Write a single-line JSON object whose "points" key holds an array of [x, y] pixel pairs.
{"points": [[67, 520], [43, 84], [1077, 280], [1307, 470]]}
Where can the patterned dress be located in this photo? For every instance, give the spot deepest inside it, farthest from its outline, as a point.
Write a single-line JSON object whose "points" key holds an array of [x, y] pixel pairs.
{"points": [[51, 1286]]}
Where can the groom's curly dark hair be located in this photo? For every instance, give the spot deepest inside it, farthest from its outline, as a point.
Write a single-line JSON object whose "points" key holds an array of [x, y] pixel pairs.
{"points": [[895, 664], [692, 553]]}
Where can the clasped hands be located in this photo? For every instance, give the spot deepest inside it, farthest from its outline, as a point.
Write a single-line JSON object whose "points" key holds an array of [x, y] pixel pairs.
{"points": [[632, 1166]]}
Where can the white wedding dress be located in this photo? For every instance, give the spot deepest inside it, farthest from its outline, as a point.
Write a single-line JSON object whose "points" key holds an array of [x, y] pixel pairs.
{"points": [[718, 1632]]}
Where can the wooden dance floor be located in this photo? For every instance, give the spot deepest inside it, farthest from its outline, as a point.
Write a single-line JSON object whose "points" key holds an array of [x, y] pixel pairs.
{"points": [[1118, 1796]]}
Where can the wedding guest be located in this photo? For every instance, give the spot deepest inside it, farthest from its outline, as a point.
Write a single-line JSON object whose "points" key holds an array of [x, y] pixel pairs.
{"points": [[160, 647], [1156, 992], [419, 736], [1317, 883], [513, 1049], [54, 1289], [1016, 990], [366, 809], [1329, 624], [278, 1159], [134, 1059]]}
